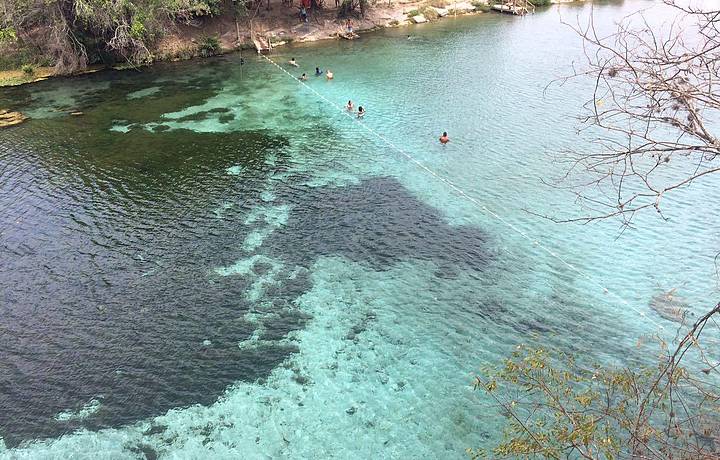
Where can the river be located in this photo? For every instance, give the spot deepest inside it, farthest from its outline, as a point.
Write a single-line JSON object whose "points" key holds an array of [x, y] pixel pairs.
{"points": [[214, 260]]}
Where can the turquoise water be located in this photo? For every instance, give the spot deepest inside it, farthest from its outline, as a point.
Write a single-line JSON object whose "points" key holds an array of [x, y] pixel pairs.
{"points": [[213, 261]]}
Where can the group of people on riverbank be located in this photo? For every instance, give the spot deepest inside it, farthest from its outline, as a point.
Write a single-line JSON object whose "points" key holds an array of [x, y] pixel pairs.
{"points": [[444, 139]]}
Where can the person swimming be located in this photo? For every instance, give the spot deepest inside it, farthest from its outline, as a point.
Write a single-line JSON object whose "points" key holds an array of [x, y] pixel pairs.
{"points": [[350, 106], [303, 77], [328, 74], [318, 72], [293, 63], [444, 139], [361, 112]]}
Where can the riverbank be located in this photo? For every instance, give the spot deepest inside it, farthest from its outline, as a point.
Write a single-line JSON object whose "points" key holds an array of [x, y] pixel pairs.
{"points": [[20, 77], [280, 24]]}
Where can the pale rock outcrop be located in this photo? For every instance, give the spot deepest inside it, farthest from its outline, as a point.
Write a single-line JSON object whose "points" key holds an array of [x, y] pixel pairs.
{"points": [[8, 118], [461, 7], [441, 12]]}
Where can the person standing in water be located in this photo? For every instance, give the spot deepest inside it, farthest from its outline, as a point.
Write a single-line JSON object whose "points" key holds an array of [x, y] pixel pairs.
{"points": [[444, 139], [303, 77], [293, 63], [350, 106], [318, 72], [329, 75], [361, 112]]}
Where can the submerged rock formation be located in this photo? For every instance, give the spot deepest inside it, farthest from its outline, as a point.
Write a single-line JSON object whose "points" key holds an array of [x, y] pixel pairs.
{"points": [[670, 306]]}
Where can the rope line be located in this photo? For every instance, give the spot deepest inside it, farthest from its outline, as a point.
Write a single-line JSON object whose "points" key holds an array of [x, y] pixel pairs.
{"points": [[465, 195]]}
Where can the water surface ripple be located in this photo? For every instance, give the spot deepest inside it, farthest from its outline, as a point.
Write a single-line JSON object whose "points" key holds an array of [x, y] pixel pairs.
{"points": [[212, 261]]}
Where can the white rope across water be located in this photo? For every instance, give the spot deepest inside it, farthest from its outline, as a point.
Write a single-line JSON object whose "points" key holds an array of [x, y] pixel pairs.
{"points": [[464, 194]]}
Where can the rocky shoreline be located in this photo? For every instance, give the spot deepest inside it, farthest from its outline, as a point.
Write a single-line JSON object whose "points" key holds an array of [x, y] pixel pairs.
{"points": [[397, 15]]}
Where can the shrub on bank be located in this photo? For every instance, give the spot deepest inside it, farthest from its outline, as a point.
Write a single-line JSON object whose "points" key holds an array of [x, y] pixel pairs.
{"points": [[481, 5], [429, 13], [14, 55], [7, 35], [28, 69], [209, 46]]}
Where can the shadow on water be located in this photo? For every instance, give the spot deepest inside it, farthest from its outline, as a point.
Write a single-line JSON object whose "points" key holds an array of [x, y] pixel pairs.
{"points": [[105, 293], [377, 222]]}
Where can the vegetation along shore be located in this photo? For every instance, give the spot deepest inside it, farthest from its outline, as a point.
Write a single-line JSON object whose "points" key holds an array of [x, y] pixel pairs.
{"points": [[77, 36]]}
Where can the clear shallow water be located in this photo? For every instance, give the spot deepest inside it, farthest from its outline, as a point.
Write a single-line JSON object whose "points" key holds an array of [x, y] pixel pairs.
{"points": [[212, 261]]}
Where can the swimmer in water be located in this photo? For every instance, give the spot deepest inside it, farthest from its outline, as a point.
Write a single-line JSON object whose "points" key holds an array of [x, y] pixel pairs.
{"points": [[293, 63], [444, 139], [350, 106], [318, 72], [302, 77], [361, 112], [328, 74]]}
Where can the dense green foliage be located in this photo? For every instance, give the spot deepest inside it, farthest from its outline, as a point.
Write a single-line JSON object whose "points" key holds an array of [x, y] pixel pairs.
{"points": [[209, 46], [73, 33], [13, 57], [7, 34]]}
